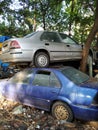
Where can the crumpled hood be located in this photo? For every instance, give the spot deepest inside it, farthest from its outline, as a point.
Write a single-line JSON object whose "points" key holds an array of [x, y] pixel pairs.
{"points": [[2, 84]]}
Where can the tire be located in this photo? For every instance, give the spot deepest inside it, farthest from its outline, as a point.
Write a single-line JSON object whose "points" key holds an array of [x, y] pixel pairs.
{"points": [[62, 111], [41, 60]]}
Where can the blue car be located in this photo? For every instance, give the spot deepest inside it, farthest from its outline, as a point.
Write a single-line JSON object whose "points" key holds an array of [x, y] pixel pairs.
{"points": [[65, 92]]}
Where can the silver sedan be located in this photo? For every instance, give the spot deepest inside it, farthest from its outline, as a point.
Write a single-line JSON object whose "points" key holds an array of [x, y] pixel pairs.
{"points": [[40, 49]]}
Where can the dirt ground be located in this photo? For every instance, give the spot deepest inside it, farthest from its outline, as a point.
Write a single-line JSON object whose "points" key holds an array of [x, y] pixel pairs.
{"points": [[15, 116]]}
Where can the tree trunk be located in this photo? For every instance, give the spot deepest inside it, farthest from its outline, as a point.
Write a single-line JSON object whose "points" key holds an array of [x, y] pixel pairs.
{"points": [[71, 17], [89, 41]]}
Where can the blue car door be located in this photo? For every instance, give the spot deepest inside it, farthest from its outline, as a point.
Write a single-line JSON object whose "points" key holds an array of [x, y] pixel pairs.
{"points": [[16, 91], [44, 89], [19, 86]]}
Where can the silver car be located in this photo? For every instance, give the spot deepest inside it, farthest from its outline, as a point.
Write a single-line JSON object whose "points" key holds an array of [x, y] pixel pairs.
{"points": [[41, 48]]}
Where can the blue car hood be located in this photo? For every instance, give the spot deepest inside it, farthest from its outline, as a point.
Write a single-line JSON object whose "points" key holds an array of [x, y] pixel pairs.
{"points": [[3, 84], [90, 84]]}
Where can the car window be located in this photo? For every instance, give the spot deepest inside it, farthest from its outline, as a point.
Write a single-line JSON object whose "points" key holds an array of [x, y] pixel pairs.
{"points": [[45, 78], [30, 35], [54, 81], [75, 75], [41, 78], [22, 77], [50, 36], [67, 39]]}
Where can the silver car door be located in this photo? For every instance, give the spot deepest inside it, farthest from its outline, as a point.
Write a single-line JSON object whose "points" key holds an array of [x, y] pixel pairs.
{"points": [[58, 50], [75, 49]]}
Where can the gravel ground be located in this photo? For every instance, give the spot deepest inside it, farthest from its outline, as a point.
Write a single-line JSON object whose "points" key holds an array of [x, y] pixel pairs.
{"points": [[15, 116]]}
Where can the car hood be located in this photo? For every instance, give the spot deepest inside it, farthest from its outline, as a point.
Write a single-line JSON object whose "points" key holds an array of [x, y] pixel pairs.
{"points": [[93, 83], [3, 83]]}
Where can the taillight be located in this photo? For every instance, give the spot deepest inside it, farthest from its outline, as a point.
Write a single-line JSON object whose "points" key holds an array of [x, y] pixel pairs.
{"points": [[14, 45]]}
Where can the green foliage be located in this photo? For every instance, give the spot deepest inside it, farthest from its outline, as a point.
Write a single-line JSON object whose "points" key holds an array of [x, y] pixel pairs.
{"points": [[75, 17]]}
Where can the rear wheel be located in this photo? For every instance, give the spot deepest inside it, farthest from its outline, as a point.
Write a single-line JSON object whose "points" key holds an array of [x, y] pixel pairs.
{"points": [[41, 60], [62, 111]]}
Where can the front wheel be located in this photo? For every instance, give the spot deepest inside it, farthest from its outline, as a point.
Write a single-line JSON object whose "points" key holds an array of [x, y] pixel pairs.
{"points": [[41, 60], [62, 111]]}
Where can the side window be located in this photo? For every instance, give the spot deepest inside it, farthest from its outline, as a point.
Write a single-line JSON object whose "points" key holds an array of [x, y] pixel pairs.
{"points": [[44, 37], [54, 81], [22, 77], [41, 78], [67, 39], [46, 78], [50, 36]]}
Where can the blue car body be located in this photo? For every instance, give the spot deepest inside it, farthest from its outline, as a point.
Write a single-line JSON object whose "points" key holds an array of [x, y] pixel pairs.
{"points": [[81, 97]]}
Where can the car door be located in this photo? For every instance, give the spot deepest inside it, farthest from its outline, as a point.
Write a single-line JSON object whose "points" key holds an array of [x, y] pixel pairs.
{"points": [[46, 88], [16, 91], [58, 50], [19, 86], [75, 48]]}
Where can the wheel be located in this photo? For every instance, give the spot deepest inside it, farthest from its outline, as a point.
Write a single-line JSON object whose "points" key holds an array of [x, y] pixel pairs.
{"points": [[41, 59], [62, 111]]}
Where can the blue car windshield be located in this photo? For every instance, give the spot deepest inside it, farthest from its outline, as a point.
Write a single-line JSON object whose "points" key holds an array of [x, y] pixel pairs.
{"points": [[75, 75]]}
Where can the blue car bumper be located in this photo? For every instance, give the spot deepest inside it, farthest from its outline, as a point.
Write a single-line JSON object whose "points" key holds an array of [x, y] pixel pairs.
{"points": [[85, 113]]}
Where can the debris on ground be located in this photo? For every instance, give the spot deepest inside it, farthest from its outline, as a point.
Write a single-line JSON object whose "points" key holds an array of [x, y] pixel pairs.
{"points": [[15, 116]]}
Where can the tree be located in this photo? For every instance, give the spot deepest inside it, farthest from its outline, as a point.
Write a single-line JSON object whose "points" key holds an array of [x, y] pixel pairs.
{"points": [[51, 14], [4, 5], [89, 40]]}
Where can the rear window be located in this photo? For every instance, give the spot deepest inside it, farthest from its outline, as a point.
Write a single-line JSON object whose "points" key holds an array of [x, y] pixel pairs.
{"points": [[75, 75], [30, 35]]}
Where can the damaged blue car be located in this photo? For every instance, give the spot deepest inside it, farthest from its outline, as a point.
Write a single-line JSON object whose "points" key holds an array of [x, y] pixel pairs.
{"points": [[65, 92]]}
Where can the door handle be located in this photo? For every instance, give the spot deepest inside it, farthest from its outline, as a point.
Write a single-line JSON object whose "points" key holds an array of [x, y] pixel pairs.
{"points": [[53, 91], [68, 45], [47, 44]]}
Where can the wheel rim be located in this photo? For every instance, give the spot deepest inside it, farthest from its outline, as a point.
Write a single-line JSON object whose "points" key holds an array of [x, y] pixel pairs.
{"points": [[61, 113], [42, 60]]}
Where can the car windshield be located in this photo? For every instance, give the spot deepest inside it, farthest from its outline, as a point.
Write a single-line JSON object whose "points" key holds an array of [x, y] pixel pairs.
{"points": [[30, 35], [75, 75], [22, 76]]}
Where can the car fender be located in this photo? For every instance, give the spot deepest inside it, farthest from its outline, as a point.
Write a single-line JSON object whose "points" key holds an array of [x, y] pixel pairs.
{"points": [[42, 49], [63, 99], [85, 96]]}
